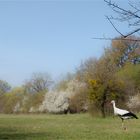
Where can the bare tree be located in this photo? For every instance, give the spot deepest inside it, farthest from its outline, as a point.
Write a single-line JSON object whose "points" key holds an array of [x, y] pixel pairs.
{"points": [[130, 15], [39, 82]]}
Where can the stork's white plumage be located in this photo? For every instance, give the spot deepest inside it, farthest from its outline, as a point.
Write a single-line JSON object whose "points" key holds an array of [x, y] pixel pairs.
{"points": [[123, 114], [118, 111]]}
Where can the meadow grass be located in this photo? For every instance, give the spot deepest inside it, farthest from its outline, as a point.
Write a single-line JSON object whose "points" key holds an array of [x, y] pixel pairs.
{"points": [[66, 127]]}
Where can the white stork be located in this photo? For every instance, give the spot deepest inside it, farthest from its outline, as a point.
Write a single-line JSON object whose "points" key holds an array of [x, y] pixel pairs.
{"points": [[123, 114]]}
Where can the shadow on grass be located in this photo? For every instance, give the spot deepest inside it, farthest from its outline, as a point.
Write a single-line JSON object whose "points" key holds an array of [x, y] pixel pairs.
{"points": [[11, 134], [21, 136]]}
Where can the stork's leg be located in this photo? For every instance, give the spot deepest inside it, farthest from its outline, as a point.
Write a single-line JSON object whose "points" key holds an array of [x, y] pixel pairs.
{"points": [[123, 127], [122, 124]]}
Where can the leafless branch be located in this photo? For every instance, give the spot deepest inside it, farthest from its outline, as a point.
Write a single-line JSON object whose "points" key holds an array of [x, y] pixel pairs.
{"points": [[127, 39], [133, 32], [115, 27], [130, 16], [113, 5]]}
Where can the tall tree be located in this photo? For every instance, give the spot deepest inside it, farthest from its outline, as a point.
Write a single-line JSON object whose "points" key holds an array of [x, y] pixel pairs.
{"points": [[99, 75], [105, 84], [125, 51]]}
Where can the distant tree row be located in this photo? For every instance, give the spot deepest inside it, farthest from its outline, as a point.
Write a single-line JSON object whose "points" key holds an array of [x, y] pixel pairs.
{"points": [[115, 75], [24, 98]]}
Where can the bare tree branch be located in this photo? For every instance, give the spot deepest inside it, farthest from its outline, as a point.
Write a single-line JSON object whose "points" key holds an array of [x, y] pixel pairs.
{"points": [[133, 32], [115, 27], [130, 16], [127, 39], [124, 11]]}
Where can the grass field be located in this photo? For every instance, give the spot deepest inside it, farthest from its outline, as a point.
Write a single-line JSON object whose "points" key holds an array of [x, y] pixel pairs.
{"points": [[66, 127]]}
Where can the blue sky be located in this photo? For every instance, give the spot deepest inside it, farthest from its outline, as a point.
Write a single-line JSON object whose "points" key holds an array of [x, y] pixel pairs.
{"points": [[50, 36]]}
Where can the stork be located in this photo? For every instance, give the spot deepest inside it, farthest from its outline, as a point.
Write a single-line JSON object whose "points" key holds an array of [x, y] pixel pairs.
{"points": [[123, 114]]}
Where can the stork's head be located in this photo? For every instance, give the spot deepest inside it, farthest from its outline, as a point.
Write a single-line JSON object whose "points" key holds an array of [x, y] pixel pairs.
{"points": [[112, 102]]}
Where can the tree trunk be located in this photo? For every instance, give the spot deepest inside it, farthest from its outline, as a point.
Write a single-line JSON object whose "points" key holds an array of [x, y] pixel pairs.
{"points": [[103, 104], [103, 109]]}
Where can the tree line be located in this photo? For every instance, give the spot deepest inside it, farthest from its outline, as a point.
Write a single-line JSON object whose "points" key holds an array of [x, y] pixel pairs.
{"points": [[115, 75]]}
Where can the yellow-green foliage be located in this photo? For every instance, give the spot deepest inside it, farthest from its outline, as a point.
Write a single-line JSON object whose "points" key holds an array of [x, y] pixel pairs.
{"points": [[12, 98], [95, 90], [131, 73]]}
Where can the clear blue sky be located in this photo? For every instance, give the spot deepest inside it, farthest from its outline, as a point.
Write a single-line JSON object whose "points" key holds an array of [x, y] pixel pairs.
{"points": [[50, 36]]}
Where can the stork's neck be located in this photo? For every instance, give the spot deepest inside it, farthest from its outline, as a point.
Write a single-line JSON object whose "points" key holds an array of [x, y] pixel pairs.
{"points": [[114, 106]]}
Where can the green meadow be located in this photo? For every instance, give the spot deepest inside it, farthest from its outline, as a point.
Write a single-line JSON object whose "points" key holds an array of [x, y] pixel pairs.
{"points": [[66, 127]]}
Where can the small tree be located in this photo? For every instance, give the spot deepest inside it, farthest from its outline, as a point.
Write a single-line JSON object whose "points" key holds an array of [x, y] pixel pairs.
{"points": [[13, 100], [39, 82], [4, 87]]}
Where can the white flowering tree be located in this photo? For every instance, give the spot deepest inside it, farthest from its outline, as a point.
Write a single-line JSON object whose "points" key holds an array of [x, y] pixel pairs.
{"points": [[58, 101], [134, 102]]}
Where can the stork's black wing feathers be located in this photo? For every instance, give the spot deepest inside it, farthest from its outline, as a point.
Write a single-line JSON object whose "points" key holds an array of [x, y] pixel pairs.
{"points": [[130, 114]]}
